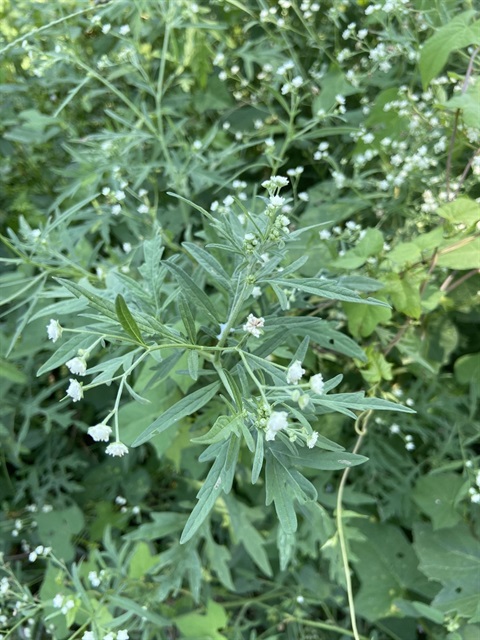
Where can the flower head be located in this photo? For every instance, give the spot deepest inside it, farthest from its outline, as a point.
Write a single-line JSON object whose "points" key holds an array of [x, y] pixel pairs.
{"points": [[77, 366], [277, 421], [75, 390], [54, 330], [122, 634], [317, 384], [253, 325], [117, 449], [100, 432], [295, 372]]}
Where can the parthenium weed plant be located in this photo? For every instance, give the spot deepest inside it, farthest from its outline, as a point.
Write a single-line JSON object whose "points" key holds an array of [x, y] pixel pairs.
{"points": [[235, 236]]}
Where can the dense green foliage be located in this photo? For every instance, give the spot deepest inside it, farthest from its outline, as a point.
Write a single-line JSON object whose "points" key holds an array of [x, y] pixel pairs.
{"points": [[241, 241]]}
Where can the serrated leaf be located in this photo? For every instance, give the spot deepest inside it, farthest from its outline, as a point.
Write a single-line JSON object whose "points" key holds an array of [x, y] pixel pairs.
{"points": [[127, 320], [184, 407]]}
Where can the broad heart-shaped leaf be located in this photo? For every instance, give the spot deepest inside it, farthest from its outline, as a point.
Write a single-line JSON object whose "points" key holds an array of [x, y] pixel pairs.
{"points": [[455, 35], [203, 625], [437, 496], [462, 210], [370, 245], [461, 255], [386, 566], [451, 556], [184, 407], [405, 293], [127, 320], [193, 291], [363, 319], [468, 104]]}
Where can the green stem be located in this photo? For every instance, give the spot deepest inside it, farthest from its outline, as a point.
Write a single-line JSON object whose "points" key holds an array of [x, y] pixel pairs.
{"points": [[253, 377], [361, 420]]}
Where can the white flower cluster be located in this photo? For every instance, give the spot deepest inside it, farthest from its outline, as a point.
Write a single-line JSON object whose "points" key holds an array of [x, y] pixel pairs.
{"points": [[277, 421]]}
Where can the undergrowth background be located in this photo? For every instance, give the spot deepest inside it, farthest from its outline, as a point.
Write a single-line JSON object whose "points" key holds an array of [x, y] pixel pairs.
{"points": [[135, 140]]}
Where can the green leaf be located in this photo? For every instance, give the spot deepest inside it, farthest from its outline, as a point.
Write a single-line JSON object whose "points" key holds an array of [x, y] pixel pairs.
{"points": [[377, 368], [370, 245], [326, 289], [208, 494], [203, 626], [221, 430], [363, 319], [437, 496], [468, 104], [456, 34], [320, 331], [210, 265], [10, 372], [405, 293], [66, 351], [386, 566], [278, 490], [127, 320], [462, 255], [452, 557], [193, 291], [192, 360], [184, 407], [187, 318], [462, 210], [258, 458]]}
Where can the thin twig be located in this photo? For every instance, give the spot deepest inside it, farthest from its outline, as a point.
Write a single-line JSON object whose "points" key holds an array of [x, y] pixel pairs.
{"points": [[460, 281]]}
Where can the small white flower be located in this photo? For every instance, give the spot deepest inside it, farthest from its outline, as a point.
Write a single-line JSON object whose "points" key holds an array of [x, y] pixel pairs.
{"points": [[124, 29], [109, 636], [75, 390], [409, 402], [277, 421], [100, 432], [116, 209], [475, 498], [120, 195], [253, 325], [32, 556], [106, 191], [106, 28], [317, 384], [303, 195], [228, 201], [410, 446], [142, 192], [127, 247], [143, 208], [324, 234], [312, 440], [88, 635], [277, 201], [94, 579], [58, 601], [122, 634], [120, 500], [295, 372], [116, 449], [256, 292], [54, 330], [77, 366], [394, 429], [197, 145]]}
